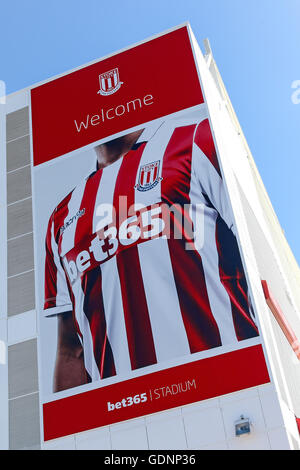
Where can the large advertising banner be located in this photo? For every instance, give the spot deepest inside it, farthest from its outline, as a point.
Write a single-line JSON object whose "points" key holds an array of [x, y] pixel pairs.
{"points": [[141, 292]]}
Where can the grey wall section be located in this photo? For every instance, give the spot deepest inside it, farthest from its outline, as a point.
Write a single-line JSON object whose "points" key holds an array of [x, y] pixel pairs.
{"points": [[18, 153], [24, 422], [20, 293], [18, 185], [19, 218], [22, 369], [20, 256], [17, 124]]}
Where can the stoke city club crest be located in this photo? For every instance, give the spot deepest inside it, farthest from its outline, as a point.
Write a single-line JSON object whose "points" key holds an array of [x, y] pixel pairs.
{"points": [[148, 176], [109, 82]]}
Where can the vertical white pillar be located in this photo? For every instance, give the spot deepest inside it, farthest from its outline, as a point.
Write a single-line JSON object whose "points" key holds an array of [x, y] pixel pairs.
{"points": [[222, 128], [4, 431]]}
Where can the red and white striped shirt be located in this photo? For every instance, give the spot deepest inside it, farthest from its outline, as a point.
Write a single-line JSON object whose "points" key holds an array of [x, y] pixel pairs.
{"points": [[137, 294]]}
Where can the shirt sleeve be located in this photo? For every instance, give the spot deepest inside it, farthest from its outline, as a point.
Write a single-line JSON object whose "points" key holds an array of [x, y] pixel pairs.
{"points": [[57, 297], [207, 172]]}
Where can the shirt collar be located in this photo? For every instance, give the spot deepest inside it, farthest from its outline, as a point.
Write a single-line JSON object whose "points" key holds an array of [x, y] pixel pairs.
{"points": [[147, 134]]}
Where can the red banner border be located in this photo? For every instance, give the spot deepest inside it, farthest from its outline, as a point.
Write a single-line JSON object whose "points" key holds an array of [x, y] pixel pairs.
{"points": [[214, 376]]}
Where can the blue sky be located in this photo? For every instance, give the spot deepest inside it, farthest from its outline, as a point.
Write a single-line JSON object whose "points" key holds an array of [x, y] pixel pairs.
{"points": [[256, 44]]}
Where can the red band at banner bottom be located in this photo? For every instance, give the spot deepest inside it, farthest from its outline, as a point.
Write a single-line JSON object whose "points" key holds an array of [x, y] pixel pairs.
{"points": [[158, 391]]}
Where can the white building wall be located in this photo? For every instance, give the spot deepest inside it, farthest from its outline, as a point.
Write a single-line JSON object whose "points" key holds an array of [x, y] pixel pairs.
{"points": [[204, 425], [273, 259]]}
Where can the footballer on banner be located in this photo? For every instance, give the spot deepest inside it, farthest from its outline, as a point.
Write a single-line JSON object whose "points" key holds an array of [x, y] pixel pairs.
{"points": [[142, 263]]}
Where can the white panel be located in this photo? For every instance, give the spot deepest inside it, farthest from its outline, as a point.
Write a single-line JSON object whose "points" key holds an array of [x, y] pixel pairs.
{"points": [[163, 415], [167, 433], [200, 406], [129, 436], [249, 408], [271, 407], [22, 327], [97, 439], [279, 439], [204, 427], [216, 446], [290, 422], [242, 395], [131, 423], [17, 100], [66, 443], [3, 340], [252, 442]]}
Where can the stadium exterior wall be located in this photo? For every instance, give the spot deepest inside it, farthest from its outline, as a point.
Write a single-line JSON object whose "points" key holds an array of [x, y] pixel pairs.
{"points": [[208, 424]]}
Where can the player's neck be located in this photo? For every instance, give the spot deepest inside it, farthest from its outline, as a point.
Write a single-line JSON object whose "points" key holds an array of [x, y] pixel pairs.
{"points": [[111, 151]]}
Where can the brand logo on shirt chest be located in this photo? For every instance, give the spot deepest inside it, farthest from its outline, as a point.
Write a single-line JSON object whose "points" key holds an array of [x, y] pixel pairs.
{"points": [[148, 176], [72, 219]]}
